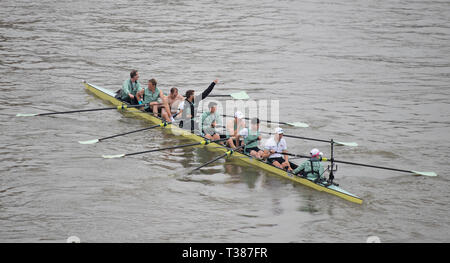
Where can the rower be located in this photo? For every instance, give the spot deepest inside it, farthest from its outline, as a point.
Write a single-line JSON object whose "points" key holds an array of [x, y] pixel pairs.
{"points": [[252, 134], [129, 88], [274, 148], [150, 96], [210, 120], [312, 169], [234, 126], [174, 99], [188, 108]]}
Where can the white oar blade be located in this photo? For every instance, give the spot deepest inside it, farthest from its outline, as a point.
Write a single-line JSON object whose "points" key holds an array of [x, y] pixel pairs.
{"points": [[424, 173], [240, 95], [298, 124], [351, 144], [26, 114], [113, 156], [89, 142]]}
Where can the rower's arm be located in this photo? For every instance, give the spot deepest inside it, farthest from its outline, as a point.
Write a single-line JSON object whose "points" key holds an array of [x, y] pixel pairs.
{"points": [[138, 87], [321, 170], [203, 117], [125, 87], [230, 128], [286, 157], [208, 90], [219, 120], [163, 97], [300, 168], [139, 95]]}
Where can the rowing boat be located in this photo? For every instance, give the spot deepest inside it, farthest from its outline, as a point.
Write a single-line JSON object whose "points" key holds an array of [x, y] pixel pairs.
{"points": [[109, 96]]}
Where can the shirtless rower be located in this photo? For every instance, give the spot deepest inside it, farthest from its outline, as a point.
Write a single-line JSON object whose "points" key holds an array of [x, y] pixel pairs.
{"points": [[174, 99]]}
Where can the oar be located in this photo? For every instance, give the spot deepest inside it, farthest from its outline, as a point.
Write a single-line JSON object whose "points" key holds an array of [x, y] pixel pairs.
{"points": [[120, 107], [164, 124], [351, 144], [237, 96], [369, 165], [205, 142], [295, 124], [228, 153]]}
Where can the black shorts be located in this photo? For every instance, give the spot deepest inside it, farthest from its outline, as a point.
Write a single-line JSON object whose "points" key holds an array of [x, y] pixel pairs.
{"points": [[128, 100], [150, 109], [249, 150], [209, 133], [280, 160]]}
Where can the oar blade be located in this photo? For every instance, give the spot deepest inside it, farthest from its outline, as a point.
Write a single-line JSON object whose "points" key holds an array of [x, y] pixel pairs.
{"points": [[350, 144], [113, 156], [26, 114], [89, 141], [424, 173], [298, 124], [240, 95]]}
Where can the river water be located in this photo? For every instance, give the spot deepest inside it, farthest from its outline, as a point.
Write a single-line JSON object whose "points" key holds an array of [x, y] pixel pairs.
{"points": [[372, 72]]}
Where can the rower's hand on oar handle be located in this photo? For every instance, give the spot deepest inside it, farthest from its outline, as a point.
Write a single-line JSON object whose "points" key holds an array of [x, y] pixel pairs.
{"points": [[215, 81]]}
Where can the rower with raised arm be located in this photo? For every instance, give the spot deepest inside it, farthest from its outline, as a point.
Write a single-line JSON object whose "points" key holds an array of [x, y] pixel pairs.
{"points": [[188, 108], [312, 169], [150, 96], [251, 137], [234, 126], [210, 120], [274, 148], [130, 87]]}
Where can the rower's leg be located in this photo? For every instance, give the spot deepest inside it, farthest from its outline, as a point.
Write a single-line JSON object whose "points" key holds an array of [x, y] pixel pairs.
{"points": [[155, 110], [166, 107], [163, 111], [277, 164], [231, 143], [216, 137], [165, 116], [209, 137], [261, 154], [166, 111]]}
